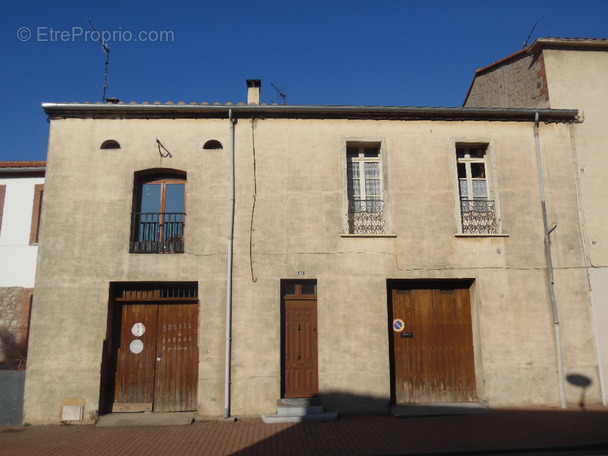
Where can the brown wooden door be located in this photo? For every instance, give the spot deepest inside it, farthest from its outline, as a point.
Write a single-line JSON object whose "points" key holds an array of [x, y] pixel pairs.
{"points": [[433, 354], [157, 360], [301, 377], [176, 358], [135, 369]]}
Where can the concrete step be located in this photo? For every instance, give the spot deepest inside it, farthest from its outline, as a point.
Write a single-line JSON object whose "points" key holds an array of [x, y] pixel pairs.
{"points": [[299, 402], [318, 417], [299, 411]]}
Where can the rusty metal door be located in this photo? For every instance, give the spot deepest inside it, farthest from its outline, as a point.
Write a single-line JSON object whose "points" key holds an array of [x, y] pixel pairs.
{"points": [[433, 348], [157, 359], [300, 364]]}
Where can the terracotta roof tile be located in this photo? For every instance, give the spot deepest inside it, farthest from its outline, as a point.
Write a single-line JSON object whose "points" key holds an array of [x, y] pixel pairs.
{"points": [[22, 164]]}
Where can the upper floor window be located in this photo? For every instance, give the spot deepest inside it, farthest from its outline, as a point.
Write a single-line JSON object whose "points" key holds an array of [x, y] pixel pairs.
{"points": [[477, 207], [2, 193], [364, 189], [159, 215], [36, 211]]}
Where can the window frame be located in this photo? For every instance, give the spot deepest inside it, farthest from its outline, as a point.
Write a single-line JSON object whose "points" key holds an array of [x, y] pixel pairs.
{"points": [[484, 224], [36, 213], [368, 223], [2, 197], [160, 243]]}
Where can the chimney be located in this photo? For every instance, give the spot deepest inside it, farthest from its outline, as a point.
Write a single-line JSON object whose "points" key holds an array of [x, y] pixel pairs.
{"points": [[254, 87]]}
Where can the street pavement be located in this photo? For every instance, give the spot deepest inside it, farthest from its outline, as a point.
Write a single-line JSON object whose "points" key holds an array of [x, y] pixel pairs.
{"points": [[498, 432]]}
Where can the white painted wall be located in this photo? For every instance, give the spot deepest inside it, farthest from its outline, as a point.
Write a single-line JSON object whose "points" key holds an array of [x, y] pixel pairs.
{"points": [[17, 257]]}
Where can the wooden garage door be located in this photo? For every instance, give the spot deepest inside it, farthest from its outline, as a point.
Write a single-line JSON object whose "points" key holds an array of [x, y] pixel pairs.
{"points": [[157, 359], [433, 352]]}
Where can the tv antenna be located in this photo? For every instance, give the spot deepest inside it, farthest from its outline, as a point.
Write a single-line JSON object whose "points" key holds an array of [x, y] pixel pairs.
{"points": [[281, 94], [106, 49], [528, 39]]}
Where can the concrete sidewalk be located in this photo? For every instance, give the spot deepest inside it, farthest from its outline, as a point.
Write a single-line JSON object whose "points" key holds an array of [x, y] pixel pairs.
{"points": [[512, 431]]}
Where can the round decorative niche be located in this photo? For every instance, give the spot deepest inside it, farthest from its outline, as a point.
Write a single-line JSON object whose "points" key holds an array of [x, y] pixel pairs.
{"points": [[213, 144], [110, 144]]}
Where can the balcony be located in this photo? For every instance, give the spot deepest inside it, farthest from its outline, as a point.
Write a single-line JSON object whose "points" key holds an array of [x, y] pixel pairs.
{"points": [[366, 216], [157, 232], [478, 216]]}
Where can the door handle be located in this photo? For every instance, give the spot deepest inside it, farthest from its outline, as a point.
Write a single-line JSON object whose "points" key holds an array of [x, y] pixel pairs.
{"points": [[298, 326]]}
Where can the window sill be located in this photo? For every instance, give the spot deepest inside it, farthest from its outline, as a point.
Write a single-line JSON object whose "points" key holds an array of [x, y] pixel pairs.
{"points": [[368, 235], [475, 235]]}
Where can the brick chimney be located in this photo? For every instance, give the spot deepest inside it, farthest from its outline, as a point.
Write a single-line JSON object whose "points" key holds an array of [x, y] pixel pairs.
{"points": [[254, 87]]}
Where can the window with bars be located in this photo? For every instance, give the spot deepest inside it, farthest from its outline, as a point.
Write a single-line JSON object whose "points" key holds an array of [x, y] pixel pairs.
{"points": [[477, 207], [364, 190]]}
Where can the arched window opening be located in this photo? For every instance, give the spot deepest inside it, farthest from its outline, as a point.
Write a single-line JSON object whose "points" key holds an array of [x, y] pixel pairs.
{"points": [[213, 144], [110, 144], [159, 214]]}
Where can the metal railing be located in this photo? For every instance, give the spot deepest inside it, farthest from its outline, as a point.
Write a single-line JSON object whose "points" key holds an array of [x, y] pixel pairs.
{"points": [[366, 216], [478, 216], [157, 232]]}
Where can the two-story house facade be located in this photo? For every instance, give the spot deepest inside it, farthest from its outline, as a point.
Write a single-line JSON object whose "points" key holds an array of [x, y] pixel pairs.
{"points": [[219, 257]]}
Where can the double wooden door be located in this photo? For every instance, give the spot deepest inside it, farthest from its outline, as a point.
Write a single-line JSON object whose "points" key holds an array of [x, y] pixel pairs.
{"points": [[157, 357], [432, 343]]}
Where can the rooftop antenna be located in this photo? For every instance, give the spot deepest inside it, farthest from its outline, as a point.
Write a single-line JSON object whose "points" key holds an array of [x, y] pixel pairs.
{"points": [[281, 94], [106, 49], [528, 39]]}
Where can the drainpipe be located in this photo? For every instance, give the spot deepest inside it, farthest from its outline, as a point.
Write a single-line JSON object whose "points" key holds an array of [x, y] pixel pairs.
{"points": [[229, 272], [548, 231]]}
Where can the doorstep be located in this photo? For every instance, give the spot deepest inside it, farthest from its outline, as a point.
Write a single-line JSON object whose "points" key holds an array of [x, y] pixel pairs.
{"points": [[146, 419]]}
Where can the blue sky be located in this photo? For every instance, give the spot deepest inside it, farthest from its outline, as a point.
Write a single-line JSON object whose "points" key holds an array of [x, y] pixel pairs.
{"points": [[383, 52]]}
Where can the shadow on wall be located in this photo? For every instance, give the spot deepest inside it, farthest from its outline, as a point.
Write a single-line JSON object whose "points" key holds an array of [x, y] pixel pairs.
{"points": [[583, 382], [13, 352]]}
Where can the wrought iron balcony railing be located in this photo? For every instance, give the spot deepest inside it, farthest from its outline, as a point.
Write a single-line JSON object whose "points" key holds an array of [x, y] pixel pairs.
{"points": [[366, 216], [478, 216], [157, 232]]}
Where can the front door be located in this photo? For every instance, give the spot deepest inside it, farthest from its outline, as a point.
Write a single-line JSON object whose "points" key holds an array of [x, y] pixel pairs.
{"points": [[299, 328], [157, 357], [432, 342]]}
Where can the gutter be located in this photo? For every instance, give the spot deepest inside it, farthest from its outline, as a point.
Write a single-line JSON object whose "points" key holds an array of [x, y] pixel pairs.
{"points": [[22, 170], [169, 110], [548, 231]]}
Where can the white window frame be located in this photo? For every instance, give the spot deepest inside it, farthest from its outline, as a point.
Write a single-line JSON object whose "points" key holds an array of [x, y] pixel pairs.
{"points": [[365, 218], [479, 214]]}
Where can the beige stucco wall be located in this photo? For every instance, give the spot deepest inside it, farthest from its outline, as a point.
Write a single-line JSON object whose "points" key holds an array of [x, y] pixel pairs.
{"points": [[298, 226], [576, 80]]}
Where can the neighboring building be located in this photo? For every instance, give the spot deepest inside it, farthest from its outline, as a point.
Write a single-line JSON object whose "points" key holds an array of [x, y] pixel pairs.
{"points": [[373, 256], [567, 73], [21, 190]]}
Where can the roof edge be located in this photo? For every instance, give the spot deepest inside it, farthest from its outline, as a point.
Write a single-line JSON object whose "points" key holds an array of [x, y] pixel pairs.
{"points": [[148, 111]]}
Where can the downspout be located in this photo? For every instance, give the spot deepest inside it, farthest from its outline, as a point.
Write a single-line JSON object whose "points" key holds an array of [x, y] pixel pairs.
{"points": [[229, 272], [548, 231]]}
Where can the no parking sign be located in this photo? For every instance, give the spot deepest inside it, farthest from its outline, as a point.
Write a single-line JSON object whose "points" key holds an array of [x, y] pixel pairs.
{"points": [[398, 325]]}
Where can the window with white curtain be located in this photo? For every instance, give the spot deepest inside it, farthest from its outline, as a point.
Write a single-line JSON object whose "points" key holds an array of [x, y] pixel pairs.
{"points": [[477, 207], [364, 189]]}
